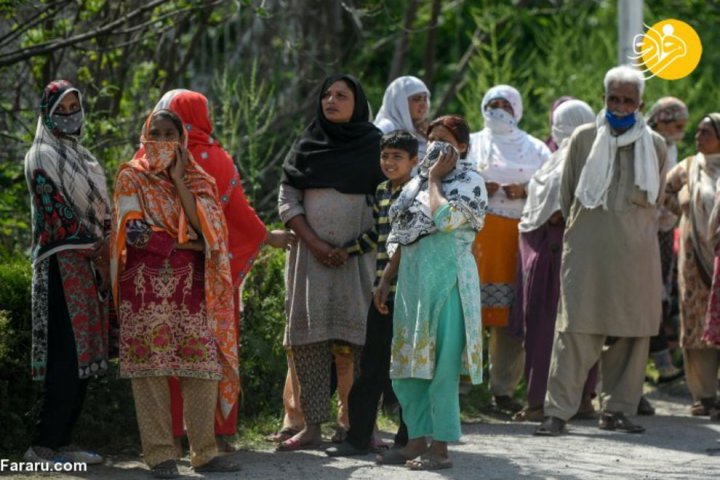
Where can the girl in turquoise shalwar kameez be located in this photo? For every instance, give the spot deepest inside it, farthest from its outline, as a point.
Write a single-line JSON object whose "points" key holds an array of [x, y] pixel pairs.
{"points": [[437, 328]]}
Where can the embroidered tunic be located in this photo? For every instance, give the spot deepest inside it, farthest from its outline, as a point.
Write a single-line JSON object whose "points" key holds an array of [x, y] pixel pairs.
{"points": [[429, 270]]}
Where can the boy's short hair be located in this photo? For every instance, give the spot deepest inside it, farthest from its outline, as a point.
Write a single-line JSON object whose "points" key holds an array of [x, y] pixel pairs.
{"points": [[402, 140]]}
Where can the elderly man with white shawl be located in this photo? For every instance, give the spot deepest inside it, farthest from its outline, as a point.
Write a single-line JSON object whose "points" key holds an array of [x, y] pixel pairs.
{"points": [[405, 107], [611, 292], [506, 157]]}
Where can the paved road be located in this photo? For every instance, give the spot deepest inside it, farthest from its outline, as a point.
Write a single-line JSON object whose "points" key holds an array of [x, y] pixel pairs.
{"points": [[675, 446]]}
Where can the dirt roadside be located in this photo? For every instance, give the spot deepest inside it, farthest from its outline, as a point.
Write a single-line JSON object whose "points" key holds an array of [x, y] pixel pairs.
{"points": [[675, 446]]}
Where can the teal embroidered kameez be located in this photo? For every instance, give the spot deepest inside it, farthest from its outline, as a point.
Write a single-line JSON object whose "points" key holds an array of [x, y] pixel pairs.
{"points": [[437, 327]]}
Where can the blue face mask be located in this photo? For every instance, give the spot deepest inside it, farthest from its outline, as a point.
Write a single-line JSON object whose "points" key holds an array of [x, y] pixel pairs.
{"points": [[620, 123]]}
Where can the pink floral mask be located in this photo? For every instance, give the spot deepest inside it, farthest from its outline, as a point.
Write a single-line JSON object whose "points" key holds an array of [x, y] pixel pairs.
{"points": [[159, 154]]}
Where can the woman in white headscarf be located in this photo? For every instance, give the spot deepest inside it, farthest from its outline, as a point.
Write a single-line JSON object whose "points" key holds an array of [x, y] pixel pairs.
{"points": [[405, 107], [506, 157], [541, 234]]}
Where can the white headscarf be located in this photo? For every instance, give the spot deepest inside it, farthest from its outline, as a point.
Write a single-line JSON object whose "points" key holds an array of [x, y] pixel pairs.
{"points": [[544, 189], [503, 153], [595, 178], [394, 114]]}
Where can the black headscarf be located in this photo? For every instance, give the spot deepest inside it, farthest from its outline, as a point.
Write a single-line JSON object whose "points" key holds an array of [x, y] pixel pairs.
{"points": [[343, 156]]}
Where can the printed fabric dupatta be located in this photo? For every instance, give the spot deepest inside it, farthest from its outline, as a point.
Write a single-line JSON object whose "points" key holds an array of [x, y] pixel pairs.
{"points": [[246, 232], [151, 197]]}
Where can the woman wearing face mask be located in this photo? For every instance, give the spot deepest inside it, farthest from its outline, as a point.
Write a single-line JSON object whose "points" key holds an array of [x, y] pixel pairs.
{"points": [[172, 284], [691, 190], [71, 226], [405, 107], [246, 232], [506, 157], [436, 324]]}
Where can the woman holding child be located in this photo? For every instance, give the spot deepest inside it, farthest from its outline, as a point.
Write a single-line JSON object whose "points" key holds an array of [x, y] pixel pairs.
{"points": [[437, 330], [327, 178]]}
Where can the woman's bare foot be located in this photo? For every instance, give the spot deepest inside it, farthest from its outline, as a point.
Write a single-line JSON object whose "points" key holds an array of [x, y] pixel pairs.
{"points": [[310, 436], [414, 448]]}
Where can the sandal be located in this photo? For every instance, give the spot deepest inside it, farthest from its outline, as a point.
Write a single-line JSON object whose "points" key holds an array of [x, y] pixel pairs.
{"points": [[218, 465], [391, 457], [529, 414], [428, 464], [293, 445], [282, 435], [618, 422], [702, 408], [550, 427], [166, 469]]}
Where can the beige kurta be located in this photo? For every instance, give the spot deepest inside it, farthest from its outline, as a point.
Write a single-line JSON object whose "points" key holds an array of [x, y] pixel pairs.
{"points": [[610, 275], [325, 303]]}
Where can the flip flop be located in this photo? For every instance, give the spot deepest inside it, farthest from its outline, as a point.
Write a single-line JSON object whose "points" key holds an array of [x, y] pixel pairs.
{"points": [[428, 464], [293, 445]]}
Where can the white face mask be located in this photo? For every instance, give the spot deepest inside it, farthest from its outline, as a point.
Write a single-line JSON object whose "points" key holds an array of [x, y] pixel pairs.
{"points": [[499, 121], [434, 150]]}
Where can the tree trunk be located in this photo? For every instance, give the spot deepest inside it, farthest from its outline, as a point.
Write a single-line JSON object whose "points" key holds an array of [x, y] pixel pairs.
{"points": [[401, 45], [430, 45]]}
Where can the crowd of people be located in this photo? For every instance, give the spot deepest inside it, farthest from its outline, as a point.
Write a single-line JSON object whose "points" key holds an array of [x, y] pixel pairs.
{"points": [[410, 240]]}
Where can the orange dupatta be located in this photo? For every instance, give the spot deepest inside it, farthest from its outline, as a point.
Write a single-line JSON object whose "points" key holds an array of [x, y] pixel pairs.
{"points": [[151, 197]]}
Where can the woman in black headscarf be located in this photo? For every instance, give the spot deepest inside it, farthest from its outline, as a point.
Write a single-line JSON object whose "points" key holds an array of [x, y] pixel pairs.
{"points": [[327, 177]]}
